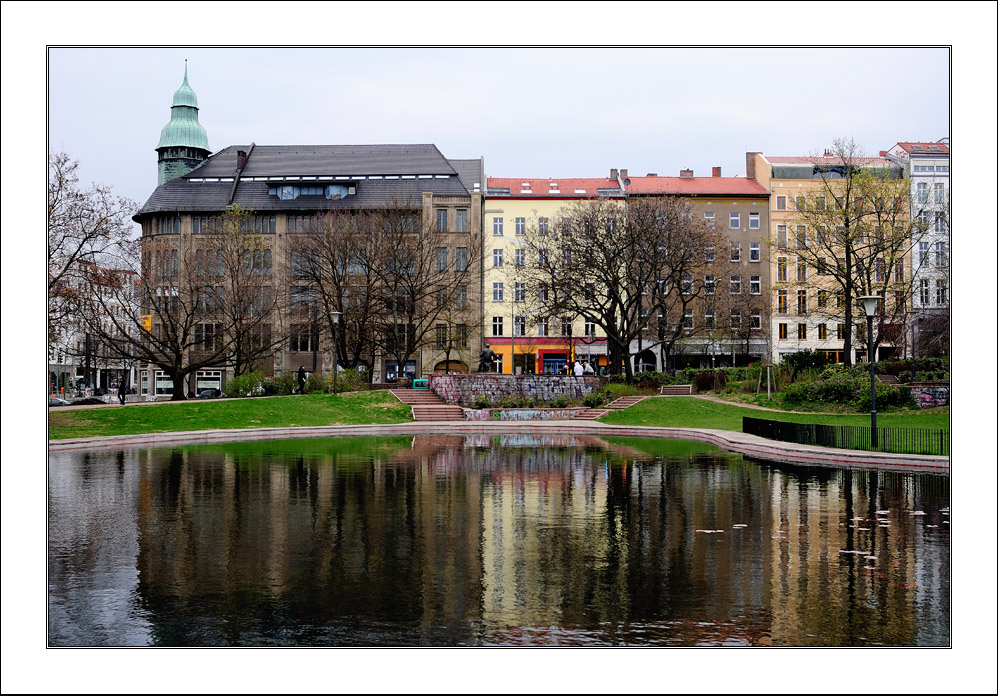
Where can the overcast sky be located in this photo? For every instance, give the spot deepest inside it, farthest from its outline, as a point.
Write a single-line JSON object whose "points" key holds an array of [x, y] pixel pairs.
{"points": [[538, 112]]}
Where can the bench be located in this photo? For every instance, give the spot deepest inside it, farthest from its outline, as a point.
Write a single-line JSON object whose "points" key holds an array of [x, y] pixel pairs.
{"points": [[676, 390]]}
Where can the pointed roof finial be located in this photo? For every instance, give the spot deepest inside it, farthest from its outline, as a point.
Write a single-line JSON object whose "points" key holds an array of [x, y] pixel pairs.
{"points": [[185, 70]]}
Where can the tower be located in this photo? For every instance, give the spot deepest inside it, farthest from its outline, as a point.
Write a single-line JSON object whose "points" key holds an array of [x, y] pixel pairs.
{"points": [[183, 142]]}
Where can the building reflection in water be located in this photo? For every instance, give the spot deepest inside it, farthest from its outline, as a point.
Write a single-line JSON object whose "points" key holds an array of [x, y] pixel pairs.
{"points": [[490, 540]]}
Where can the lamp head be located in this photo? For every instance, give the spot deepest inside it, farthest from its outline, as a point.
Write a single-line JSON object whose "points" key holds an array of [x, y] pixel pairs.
{"points": [[870, 304]]}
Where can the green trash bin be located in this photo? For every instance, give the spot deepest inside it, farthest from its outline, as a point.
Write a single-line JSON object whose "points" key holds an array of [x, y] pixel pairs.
{"points": [[420, 384]]}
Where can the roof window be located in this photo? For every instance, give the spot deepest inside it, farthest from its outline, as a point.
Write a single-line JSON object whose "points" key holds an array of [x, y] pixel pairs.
{"points": [[918, 148]]}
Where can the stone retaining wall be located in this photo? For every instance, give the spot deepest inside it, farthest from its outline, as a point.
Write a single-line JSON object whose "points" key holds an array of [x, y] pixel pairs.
{"points": [[461, 390], [520, 414]]}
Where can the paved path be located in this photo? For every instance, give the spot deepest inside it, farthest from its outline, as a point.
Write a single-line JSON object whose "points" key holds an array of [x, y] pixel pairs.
{"points": [[740, 443]]}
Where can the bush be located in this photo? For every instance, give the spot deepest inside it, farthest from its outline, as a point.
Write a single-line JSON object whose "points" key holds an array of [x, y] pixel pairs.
{"points": [[480, 402], [286, 383], [559, 402], [315, 383], [245, 385], [269, 387], [615, 391], [350, 380], [594, 400]]}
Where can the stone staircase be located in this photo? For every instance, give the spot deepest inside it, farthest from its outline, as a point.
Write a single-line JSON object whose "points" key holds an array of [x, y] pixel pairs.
{"points": [[625, 402], [427, 406], [889, 379], [676, 390], [590, 414]]}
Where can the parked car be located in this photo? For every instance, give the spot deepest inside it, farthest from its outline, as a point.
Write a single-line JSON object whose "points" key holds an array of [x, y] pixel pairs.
{"points": [[56, 401], [89, 401], [211, 393]]}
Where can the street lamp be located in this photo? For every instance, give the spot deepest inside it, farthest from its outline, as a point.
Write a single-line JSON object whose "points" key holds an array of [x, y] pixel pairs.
{"points": [[336, 322], [870, 307]]}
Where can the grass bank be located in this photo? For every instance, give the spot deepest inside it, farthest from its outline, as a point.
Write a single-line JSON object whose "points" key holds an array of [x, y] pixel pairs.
{"points": [[691, 412], [353, 408]]}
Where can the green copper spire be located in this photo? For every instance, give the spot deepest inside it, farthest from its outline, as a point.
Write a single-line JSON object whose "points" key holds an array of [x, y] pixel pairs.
{"points": [[183, 142]]}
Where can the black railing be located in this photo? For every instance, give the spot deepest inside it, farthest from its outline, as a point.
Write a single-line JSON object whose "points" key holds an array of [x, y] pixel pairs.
{"points": [[898, 440]]}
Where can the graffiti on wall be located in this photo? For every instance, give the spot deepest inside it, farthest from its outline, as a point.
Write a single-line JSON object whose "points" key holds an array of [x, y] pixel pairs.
{"points": [[461, 390], [930, 397]]}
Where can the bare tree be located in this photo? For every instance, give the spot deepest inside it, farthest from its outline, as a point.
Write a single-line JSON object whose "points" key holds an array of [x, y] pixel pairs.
{"points": [[854, 235], [627, 270], [85, 227]]}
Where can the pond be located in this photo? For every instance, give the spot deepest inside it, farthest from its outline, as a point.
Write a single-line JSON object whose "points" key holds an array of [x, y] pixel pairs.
{"points": [[489, 540]]}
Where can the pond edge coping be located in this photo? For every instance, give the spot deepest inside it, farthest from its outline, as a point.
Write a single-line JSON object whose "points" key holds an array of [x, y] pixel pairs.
{"points": [[731, 441]]}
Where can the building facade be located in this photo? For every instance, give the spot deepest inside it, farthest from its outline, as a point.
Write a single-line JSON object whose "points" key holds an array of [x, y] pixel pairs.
{"points": [[526, 338]]}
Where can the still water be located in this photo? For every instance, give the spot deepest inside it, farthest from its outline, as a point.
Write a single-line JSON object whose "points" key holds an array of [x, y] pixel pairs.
{"points": [[485, 540]]}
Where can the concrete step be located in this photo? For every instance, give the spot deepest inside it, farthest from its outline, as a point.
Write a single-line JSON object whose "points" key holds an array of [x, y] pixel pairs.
{"points": [[437, 413], [408, 396], [590, 414], [625, 402]]}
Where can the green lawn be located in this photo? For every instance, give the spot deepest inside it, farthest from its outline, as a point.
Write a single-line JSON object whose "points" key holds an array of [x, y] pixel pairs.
{"points": [[690, 412], [353, 408]]}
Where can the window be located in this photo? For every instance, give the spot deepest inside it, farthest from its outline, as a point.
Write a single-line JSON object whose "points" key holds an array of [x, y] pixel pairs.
{"points": [[753, 221], [520, 257], [940, 193], [781, 302], [783, 331], [819, 203], [840, 299], [566, 258], [542, 326], [441, 258], [497, 326], [520, 326], [709, 217], [941, 259], [687, 285], [208, 337], [899, 271], [781, 269], [801, 237], [462, 220], [736, 251], [687, 318], [941, 296], [822, 299], [734, 220], [461, 259], [824, 265], [520, 292], [940, 223], [589, 327], [708, 253], [802, 302], [441, 330], [542, 295], [800, 203], [923, 192], [822, 332], [923, 252], [461, 296], [542, 225], [736, 285], [840, 332], [497, 292], [755, 321], [755, 252], [924, 292], [441, 221], [497, 227], [709, 283], [497, 258], [755, 285], [542, 258], [709, 319], [802, 332], [781, 202], [899, 301], [303, 338], [566, 326], [781, 236], [521, 226], [801, 270], [880, 270]]}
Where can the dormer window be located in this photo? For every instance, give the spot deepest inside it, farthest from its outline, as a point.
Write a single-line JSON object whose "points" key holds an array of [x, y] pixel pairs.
{"points": [[290, 192]]}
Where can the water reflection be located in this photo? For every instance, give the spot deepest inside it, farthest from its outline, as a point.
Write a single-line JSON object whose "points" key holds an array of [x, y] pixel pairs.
{"points": [[513, 540]]}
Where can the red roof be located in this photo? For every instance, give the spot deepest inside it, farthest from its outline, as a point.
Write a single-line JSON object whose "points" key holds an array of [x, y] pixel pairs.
{"points": [[559, 188], [698, 185], [941, 148]]}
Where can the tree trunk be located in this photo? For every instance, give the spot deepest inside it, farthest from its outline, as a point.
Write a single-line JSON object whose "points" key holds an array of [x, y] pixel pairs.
{"points": [[178, 386]]}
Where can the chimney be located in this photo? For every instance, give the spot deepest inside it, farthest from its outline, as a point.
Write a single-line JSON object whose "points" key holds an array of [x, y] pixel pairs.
{"points": [[828, 153], [623, 173], [685, 173], [716, 171], [613, 173], [750, 164], [240, 160]]}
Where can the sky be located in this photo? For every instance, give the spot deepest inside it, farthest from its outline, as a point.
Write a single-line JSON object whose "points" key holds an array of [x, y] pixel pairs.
{"points": [[531, 112], [80, 77]]}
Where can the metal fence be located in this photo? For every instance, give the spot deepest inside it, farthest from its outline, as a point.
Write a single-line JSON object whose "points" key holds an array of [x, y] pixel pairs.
{"points": [[898, 440]]}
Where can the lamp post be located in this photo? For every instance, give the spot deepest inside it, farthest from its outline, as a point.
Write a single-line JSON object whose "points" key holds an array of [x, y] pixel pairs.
{"points": [[870, 307], [336, 322]]}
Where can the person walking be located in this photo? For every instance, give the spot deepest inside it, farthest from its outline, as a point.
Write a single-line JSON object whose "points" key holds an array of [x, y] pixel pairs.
{"points": [[121, 392], [301, 379]]}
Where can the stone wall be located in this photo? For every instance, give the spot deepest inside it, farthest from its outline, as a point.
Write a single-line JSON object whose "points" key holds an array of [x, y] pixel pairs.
{"points": [[461, 390], [520, 414], [930, 394]]}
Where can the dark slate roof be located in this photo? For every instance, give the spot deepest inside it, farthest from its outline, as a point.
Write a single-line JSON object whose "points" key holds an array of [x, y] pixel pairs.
{"points": [[471, 172], [189, 193]]}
